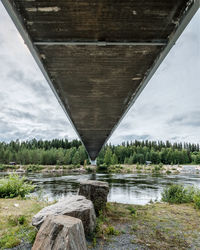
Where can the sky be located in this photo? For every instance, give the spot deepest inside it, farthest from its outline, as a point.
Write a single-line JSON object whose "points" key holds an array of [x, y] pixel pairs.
{"points": [[167, 109]]}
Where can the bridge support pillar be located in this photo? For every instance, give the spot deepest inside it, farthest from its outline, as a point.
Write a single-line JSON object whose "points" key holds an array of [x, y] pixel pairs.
{"points": [[94, 163]]}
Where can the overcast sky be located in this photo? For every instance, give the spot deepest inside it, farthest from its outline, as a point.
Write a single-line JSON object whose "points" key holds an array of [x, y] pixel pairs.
{"points": [[167, 109]]}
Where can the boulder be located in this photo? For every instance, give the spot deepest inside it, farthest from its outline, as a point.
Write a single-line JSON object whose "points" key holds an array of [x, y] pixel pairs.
{"points": [[96, 191], [60, 232], [76, 206]]}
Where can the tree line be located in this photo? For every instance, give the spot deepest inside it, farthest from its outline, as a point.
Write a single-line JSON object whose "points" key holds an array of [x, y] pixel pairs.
{"points": [[58, 151]]}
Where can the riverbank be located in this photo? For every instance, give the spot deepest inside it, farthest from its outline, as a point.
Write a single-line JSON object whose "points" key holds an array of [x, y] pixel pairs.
{"points": [[121, 226], [153, 226], [118, 168], [15, 221]]}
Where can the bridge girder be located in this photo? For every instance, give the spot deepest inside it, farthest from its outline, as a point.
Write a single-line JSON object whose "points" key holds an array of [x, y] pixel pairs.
{"points": [[98, 56]]}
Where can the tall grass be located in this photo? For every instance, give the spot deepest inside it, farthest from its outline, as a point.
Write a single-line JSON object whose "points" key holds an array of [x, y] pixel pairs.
{"points": [[13, 186], [177, 194]]}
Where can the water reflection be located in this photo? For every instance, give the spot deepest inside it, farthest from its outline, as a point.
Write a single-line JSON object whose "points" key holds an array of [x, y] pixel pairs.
{"points": [[124, 188]]}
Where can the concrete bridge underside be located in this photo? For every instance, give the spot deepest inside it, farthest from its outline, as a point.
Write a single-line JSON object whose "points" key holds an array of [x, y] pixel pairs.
{"points": [[98, 56]]}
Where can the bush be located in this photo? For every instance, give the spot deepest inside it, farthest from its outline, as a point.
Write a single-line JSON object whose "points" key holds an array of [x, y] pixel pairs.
{"points": [[115, 169], [102, 167], [89, 170], [110, 230], [6, 167], [132, 210], [156, 169], [34, 168], [197, 200], [178, 194], [16, 220], [14, 186]]}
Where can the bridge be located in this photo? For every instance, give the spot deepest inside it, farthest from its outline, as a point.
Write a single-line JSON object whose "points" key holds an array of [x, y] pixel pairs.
{"points": [[97, 56]]}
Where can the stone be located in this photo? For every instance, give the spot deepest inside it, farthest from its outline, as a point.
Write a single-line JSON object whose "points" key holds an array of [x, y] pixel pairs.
{"points": [[76, 206], [60, 232], [96, 191]]}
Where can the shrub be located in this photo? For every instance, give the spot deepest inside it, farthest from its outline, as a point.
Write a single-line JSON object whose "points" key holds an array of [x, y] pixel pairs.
{"points": [[197, 200], [110, 230], [9, 241], [178, 194], [13, 186], [132, 210], [156, 169], [22, 219], [34, 168], [3, 167], [6, 167], [16, 220], [115, 169], [89, 170], [102, 167]]}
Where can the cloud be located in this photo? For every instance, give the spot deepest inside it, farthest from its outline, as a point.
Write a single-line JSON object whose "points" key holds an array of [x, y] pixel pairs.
{"points": [[28, 107], [169, 107], [187, 119]]}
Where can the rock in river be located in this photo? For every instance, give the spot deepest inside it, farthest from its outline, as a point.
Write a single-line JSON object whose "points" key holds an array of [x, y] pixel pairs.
{"points": [[60, 232], [96, 191], [76, 206]]}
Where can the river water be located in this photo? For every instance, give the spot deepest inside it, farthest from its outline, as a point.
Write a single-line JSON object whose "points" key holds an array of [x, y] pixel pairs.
{"points": [[124, 188]]}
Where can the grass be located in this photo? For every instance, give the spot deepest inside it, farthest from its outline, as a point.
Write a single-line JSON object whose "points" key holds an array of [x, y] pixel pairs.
{"points": [[13, 186], [15, 221], [156, 226], [178, 194], [8, 167], [34, 168]]}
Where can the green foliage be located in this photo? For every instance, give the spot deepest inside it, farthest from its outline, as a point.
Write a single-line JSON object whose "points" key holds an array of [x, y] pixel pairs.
{"points": [[114, 159], [16, 220], [177, 194], [141, 151], [13, 186], [115, 169], [9, 241], [89, 170], [197, 199], [63, 152], [108, 157], [22, 219], [110, 230], [156, 169], [34, 168], [5, 167], [132, 210], [41, 152], [102, 167], [76, 159]]}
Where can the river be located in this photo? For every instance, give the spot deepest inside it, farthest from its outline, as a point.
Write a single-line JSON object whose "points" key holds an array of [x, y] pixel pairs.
{"points": [[124, 188]]}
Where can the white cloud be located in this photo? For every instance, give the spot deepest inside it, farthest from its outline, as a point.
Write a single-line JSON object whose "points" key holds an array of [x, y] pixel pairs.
{"points": [[174, 90]]}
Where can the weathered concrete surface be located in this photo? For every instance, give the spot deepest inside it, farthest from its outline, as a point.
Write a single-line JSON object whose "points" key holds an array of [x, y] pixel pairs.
{"points": [[96, 191], [76, 206], [97, 84], [60, 233]]}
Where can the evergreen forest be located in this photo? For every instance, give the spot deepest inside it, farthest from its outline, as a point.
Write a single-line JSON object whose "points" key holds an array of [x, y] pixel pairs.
{"points": [[64, 152]]}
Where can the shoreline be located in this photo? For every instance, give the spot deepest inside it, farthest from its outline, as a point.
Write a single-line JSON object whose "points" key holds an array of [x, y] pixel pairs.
{"points": [[117, 168]]}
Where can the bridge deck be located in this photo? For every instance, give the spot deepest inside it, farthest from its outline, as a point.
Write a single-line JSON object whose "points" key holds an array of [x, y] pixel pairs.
{"points": [[98, 55]]}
